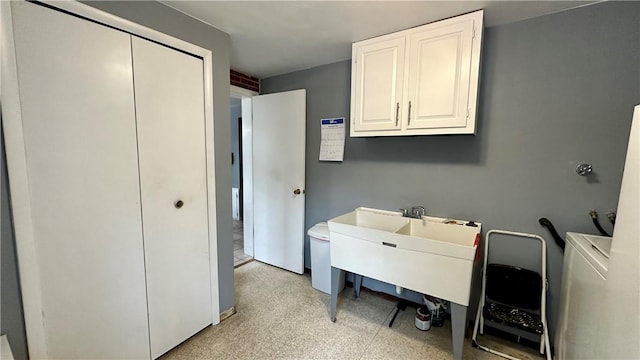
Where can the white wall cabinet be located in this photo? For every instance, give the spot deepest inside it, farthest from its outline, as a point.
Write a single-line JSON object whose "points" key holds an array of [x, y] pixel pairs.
{"points": [[420, 81], [378, 76], [109, 171]]}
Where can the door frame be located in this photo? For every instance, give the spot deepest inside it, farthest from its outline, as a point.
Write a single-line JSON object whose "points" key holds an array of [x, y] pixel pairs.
{"points": [[26, 246], [247, 163]]}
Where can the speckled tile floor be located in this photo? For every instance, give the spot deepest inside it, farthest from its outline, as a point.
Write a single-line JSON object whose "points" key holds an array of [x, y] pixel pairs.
{"points": [[239, 257], [280, 316]]}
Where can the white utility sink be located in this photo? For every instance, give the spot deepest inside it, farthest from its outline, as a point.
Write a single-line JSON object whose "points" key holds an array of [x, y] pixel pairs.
{"points": [[429, 255], [364, 223], [435, 236]]}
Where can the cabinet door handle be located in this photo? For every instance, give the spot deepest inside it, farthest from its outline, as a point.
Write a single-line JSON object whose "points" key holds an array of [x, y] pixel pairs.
{"points": [[409, 115], [178, 204], [397, 112]]}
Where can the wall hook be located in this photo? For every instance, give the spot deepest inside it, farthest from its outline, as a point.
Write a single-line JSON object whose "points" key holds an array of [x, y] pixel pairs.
{"points": [[584, 169]]}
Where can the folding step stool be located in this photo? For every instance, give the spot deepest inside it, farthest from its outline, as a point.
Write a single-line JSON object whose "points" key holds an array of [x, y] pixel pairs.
{"points": [[513, 299]]}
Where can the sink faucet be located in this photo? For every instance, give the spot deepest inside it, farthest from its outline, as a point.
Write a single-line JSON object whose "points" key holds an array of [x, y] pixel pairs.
{"points": [[414, 212], [417, 212]]}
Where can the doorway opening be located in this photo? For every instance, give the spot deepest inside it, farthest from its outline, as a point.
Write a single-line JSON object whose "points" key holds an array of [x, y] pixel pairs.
{"points": [[241, 179], [273, 131]]}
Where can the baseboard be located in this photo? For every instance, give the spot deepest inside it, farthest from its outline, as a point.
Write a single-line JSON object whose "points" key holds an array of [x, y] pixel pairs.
{"points": [[227, 313]]}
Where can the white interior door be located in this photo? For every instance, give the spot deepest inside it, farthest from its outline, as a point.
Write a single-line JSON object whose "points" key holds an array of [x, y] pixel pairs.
{"points": [[279, 130], [78, 123], [169, 89]]}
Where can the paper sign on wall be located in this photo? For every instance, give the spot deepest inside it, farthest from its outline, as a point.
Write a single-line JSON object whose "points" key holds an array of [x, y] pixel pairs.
{"points": [[332, 133]]}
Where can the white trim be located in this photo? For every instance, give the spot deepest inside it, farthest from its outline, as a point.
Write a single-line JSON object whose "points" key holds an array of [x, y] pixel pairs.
{"points": [[5, 348], [20, 197], [247, 164], [211, 185], [105, 18], [247, 175], [238, 92], [17, 168]]}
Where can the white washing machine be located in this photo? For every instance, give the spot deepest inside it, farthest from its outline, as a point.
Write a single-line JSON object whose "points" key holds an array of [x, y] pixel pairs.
{"points": [[582, 310], [600, 297]]}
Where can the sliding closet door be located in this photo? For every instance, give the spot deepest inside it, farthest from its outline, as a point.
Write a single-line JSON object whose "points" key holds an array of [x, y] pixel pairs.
{"points": [[76, 92], [169, 89]]}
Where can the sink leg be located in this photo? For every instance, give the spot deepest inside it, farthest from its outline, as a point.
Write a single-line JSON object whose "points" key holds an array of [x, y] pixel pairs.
{"points": [[458, 325], [336, 274], [357, 283]]}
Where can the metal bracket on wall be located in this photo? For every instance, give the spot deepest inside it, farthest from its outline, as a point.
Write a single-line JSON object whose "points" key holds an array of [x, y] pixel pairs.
{"points": [[584, 169]]}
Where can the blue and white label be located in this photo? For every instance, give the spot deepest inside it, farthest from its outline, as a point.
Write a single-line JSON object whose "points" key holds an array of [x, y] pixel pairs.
{"points": [[335, 121]]}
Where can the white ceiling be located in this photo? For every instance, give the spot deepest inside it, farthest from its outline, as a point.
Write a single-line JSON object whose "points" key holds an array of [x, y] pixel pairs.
{"points": [[275, 37]]}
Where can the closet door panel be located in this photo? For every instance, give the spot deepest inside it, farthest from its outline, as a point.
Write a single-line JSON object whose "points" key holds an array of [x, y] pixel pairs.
{"points": [[76, 92], [169, 91]]}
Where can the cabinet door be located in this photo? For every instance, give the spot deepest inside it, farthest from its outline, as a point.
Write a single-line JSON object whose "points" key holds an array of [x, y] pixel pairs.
{"points": [[439, 75], [377, 81], [169, 90], [78, 122]]}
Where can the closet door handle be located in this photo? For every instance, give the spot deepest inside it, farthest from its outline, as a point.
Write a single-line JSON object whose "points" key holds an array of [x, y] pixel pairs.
{"points": [[178, 204], [409, 115]]}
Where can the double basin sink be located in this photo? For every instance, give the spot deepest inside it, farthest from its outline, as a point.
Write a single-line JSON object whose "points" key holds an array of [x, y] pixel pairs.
{"points": [[430, 255]]}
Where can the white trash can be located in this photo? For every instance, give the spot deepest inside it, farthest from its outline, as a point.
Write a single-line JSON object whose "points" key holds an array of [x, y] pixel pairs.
{"points": [[321, 258]]}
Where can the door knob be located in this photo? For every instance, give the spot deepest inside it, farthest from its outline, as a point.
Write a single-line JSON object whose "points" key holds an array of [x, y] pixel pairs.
{"points": [[297, 191], [178, 204]]}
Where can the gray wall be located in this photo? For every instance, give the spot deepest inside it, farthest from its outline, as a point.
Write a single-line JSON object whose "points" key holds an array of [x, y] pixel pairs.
{"points": [[555, 91], [164, 19], [236, 112], [11, 315]]}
